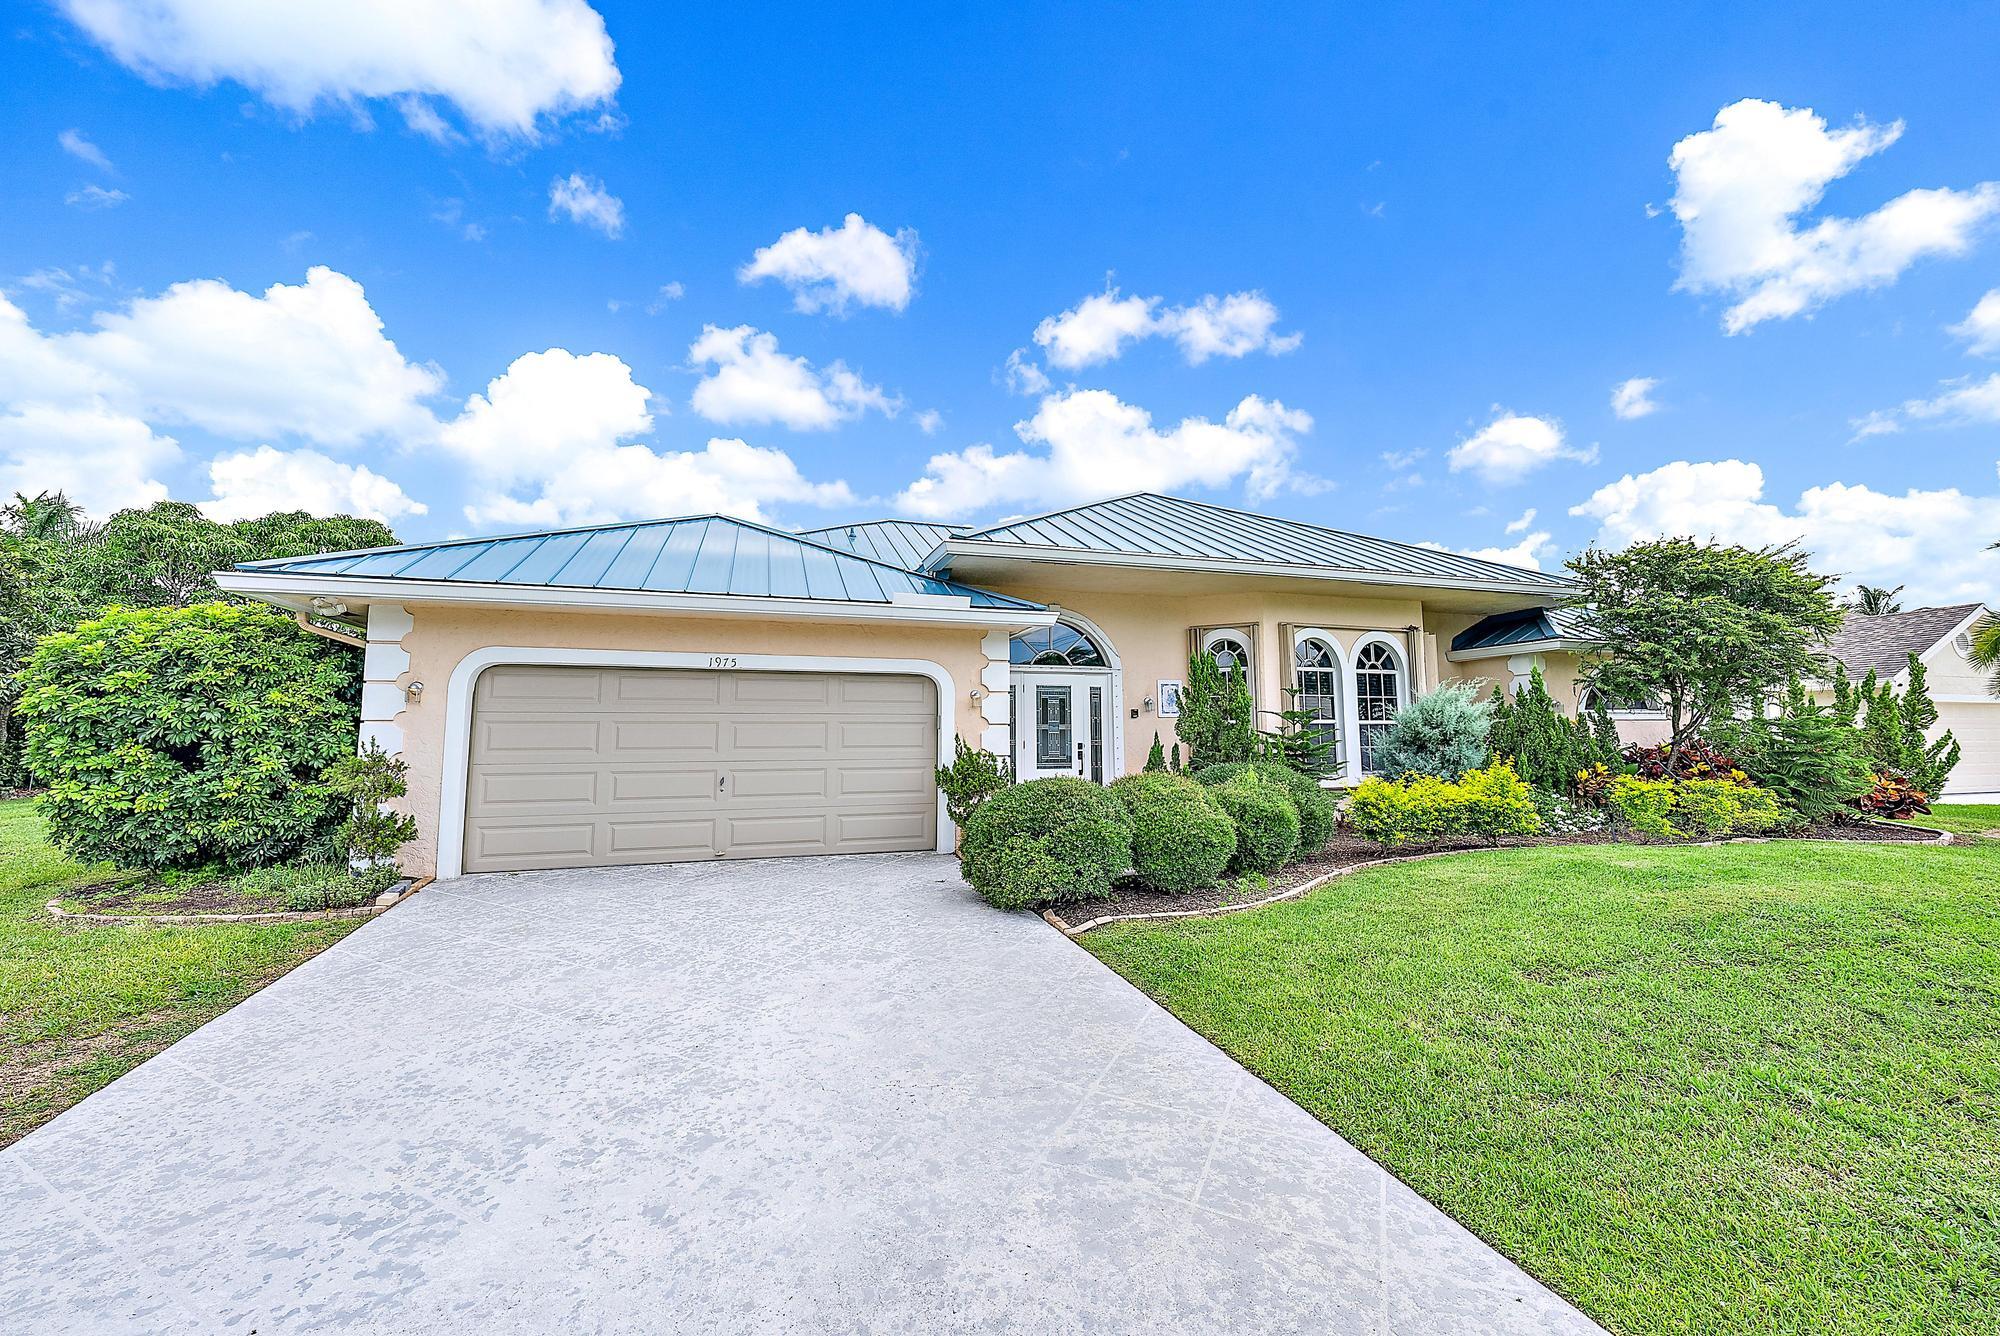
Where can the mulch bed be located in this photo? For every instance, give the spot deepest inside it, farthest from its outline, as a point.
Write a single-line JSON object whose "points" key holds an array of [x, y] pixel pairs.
{"points": [[209, 897], [1345, 850]]}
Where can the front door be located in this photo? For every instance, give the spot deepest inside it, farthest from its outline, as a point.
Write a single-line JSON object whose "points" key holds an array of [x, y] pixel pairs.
{"points": [[1059, 724]]}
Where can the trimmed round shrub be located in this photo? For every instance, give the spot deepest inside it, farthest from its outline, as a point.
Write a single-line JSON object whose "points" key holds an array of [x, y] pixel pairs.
{"points": [[1267, 822], [1318, 815], [184, 737], [1046, 840], [1182, 840]]}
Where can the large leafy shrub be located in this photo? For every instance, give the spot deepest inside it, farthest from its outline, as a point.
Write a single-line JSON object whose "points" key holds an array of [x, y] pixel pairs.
{"points": [[1182, 839], [1266, 820], [180, 737], [1047, 840], [1490, 804], [1317, 814], [972, 777], [1442, 732]]}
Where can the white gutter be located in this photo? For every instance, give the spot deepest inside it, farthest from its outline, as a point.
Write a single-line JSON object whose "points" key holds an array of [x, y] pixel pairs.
{"points": [[294, 591], [1069, 556]]}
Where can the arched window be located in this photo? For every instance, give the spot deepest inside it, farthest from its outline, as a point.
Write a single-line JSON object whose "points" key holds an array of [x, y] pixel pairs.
{"points": [[1228, 651], [1378, 694], [1319, 692], [1058, 646]]}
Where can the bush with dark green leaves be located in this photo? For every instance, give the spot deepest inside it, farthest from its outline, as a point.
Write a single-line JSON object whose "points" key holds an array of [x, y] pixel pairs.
{"points": [[1182, 840], [1047, 840], [1812, 760], [1318, 815], [1266, 819], [187, 737]]}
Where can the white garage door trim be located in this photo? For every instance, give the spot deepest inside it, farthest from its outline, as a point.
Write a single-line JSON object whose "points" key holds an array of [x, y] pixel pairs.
{"points": [[458, 716]]}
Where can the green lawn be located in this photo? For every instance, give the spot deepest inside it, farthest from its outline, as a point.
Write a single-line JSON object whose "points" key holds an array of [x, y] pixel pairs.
{"points": [[81, 1006], [1962, 818], [1753, 1088]]}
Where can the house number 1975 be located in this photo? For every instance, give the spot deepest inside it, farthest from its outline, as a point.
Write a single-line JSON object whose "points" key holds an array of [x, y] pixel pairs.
{"points": [[722, 660]]}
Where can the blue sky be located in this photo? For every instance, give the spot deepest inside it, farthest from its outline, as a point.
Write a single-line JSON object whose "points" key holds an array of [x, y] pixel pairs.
{"points": [[569, 262]]}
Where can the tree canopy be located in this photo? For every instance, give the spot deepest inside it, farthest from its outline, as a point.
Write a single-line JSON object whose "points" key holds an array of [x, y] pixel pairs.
{"points": [[1704, 628]]}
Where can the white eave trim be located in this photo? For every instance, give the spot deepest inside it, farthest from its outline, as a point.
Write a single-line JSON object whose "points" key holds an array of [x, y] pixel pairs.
{"points": [[298, 590], [1070, 556], [1559, 645]]}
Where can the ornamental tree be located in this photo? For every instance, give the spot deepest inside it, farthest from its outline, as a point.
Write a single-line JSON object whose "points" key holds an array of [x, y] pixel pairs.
{"points": [[1704, 628]]}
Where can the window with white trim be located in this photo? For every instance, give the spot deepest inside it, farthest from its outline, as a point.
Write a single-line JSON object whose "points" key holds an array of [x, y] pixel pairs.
{"points": [[1318, 671], [1058, 646], [1378, 694], [1228, 650]]}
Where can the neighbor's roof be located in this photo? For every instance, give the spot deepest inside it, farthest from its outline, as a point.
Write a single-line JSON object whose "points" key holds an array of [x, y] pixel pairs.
{"points": [[701, 554], [1528, 626], [1147, 524], [1885, 643], [899, 542]]}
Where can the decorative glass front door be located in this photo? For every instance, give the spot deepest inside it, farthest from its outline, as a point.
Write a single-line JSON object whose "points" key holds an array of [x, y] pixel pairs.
{"points": [[1059, 725]]}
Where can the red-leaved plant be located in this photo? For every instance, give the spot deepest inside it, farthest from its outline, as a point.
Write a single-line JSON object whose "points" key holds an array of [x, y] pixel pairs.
{"points": [[1894, 798]]}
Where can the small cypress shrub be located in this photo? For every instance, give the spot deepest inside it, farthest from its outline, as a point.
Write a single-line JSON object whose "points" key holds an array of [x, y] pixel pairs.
{"points": [[1156, 759]]}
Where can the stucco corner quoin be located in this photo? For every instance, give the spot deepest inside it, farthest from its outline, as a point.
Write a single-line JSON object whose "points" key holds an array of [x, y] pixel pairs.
{"points": [[456, 760]]}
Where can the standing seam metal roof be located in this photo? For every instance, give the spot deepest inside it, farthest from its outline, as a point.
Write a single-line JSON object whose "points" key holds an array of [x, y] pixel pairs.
{"points": [[902, 543], [1525, 627], [1149, 524], [702, 554]]}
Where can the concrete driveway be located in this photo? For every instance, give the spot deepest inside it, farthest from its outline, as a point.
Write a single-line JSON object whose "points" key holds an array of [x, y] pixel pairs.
{"points": [[815, 1095]]}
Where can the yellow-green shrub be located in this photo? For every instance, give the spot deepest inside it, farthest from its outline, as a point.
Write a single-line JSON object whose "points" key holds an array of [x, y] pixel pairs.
{"points": [[1706, 809], [1492, 803]]}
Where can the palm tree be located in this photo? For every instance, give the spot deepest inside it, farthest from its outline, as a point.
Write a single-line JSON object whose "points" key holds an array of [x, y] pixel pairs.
{"points": [[1986, 645], [47, 516], [1875, 601]]}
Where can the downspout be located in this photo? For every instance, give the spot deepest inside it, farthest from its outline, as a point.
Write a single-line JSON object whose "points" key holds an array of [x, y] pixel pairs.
{"points": [[306, 623]]}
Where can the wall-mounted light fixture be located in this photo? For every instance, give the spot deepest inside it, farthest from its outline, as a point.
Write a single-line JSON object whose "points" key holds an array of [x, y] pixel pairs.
{"points": [[414, 691], [1147, 705]]}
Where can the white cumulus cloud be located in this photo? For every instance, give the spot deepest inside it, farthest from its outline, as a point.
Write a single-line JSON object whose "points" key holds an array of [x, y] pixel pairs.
{"points": [[552, 442], [1022, 376], [584, 200], [1743, 186], [105, 460], [258, 482], [748, 380], [856, 262], [1100, 327], [1932, 541], [1981, 327], [1528, 553], [1634, 398], [505, 65], [1089, 443], [1512, 446]]}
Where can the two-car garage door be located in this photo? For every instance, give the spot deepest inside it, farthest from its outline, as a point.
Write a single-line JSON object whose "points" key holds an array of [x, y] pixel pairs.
{"points": [[572, 767]]}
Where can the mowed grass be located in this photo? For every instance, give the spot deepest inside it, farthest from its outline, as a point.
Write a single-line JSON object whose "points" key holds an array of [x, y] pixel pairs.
{"points": [[81, 1006], [1961, 818], [1753, 1088]]}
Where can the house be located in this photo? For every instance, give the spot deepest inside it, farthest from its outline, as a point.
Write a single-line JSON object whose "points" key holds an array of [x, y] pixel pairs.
{"points": [[1941, 638], [706, 687]]}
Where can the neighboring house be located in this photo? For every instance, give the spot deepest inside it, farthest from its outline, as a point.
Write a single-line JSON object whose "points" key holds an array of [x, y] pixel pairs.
{"points": [[709, 688], [1942, 639]]}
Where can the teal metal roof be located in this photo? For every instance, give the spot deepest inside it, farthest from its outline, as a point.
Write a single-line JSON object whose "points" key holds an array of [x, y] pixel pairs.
{"points": [[1525, 627], [1149, 524], [703, 554], [902, 543]]}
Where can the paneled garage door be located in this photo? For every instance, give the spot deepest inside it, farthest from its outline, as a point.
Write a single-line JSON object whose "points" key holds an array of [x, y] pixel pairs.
{"points": [[1976, 725], [579, 766]]}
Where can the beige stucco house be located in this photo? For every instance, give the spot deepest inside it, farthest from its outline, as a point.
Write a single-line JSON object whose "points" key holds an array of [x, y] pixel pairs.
{"points": [[705, 688]]}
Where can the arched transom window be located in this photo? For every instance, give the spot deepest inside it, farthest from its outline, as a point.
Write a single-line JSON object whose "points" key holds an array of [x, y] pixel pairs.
{"points": [[1228, 651], [1058, 646], [1319, 693], [1378, 694]]}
